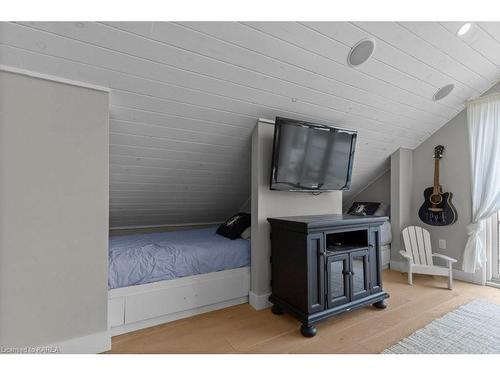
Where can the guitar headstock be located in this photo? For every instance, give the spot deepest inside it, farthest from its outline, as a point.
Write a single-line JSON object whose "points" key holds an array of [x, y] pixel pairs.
{"points": [[438, 152]]}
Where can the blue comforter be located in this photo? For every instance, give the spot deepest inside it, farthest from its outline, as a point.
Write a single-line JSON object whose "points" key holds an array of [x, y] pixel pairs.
{"points": [[146, 258]]}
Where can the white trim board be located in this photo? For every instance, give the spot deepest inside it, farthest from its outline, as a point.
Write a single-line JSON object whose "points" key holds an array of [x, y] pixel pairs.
{"points": [[259, 301], [473, 278], [267, 121], [493, 284], [52, 78], [91, 344], [165, 225]]}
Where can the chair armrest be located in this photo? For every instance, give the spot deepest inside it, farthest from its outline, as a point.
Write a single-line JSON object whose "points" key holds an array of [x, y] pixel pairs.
{"points": [[447, 258], [406, 255]]}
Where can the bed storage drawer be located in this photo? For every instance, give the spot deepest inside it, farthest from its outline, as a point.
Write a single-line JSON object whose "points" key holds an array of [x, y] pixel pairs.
{"points": [[187, 293]]}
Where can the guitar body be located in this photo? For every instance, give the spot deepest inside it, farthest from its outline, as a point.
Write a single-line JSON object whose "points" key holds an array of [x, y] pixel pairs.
{"points": [[438, 214], [437, 208]]}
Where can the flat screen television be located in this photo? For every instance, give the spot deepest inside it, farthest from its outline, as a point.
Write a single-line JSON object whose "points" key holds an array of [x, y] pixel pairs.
{"points": [[311, 157]]}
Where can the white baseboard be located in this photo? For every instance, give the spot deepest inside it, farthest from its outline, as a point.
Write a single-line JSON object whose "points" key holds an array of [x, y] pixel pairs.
{"points": [[396, 266], [259, 301], [493, 284], [125, 328], [91, 344], [474, 278]]}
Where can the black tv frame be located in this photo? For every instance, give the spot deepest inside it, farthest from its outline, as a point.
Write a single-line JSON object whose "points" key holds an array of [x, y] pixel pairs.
{"points": [[307, 124]]}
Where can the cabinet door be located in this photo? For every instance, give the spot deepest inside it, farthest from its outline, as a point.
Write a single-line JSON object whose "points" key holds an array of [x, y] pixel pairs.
{"points": [[315, 273], [375, 261], [338, 279], [359, 274]]}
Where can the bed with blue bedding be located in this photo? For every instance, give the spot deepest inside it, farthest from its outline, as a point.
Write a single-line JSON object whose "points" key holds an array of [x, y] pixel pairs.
{"points": [[147, 258]]}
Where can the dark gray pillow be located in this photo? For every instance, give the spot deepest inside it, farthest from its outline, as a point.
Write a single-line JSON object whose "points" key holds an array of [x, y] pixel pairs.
{"points": [[234, 226], [363, 208]]}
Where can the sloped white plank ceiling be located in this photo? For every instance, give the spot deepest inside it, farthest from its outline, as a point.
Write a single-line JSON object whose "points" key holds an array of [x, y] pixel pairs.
{"points": [[186, 96]]}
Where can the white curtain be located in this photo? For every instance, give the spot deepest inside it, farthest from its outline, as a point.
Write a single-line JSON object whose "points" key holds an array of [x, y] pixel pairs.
{"points": [[483, 122]]}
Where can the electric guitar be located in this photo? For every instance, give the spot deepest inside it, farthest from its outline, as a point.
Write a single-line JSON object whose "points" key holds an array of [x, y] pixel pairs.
{"points": [[437, 208]]}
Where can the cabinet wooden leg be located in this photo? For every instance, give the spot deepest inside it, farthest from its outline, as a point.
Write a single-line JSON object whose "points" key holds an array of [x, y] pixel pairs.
{"points": [[276, 310], [380, 304], [308, 331]]}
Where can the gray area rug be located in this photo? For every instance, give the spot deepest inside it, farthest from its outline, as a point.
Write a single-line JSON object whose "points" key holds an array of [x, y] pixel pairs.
{"points": [[472, 328]]}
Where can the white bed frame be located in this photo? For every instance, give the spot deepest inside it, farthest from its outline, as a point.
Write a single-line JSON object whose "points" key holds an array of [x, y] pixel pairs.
{"points": [[141, 306], [385, 256]]}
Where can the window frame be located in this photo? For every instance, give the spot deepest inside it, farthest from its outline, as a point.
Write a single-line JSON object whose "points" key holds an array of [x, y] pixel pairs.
{"points": [[495, 247]]}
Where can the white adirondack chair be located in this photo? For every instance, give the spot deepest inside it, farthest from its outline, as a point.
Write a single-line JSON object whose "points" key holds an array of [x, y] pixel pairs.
{"points": [[419, 255]]}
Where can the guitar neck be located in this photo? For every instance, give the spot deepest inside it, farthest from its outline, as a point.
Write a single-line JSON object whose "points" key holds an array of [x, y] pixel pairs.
{"points": [[436, 176]]}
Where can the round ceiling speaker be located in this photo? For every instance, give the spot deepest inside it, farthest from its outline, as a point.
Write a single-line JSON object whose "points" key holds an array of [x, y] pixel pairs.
{"points": [[443, 92], [361, 52]]}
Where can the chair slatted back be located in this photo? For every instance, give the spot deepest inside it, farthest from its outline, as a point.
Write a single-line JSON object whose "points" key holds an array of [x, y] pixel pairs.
{"points": [[417, 242]]}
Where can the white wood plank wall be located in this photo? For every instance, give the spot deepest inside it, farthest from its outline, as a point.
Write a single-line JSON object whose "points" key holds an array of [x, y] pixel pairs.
{"points": [[186, 96]]}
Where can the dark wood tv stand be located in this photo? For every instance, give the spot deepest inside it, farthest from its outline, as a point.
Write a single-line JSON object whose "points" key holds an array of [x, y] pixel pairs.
{"points": [[325, 265]]}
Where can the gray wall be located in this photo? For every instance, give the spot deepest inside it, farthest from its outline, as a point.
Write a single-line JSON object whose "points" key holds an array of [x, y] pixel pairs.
{"points": [[378, 191], [267, 203], [53, 211], [455, 177]]}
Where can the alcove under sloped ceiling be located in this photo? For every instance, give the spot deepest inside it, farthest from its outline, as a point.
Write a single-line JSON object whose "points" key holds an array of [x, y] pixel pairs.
{"points": [[186, 96]]}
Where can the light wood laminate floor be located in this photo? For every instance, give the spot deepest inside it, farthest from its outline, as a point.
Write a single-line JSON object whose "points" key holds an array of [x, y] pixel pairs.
{"points": [[241, 329]]}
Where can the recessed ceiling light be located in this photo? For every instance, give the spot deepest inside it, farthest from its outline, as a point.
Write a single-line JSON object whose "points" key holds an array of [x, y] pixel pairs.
{"points": [[361, 52], [443, 92], [464, 29]]}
